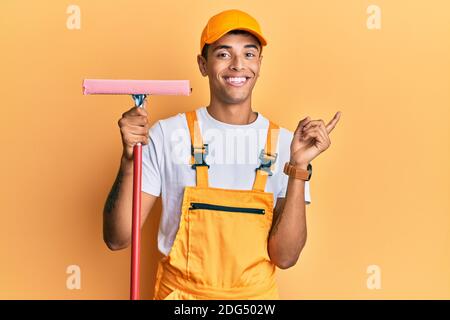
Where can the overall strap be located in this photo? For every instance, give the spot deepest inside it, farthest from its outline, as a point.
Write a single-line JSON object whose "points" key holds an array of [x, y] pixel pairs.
{"points": [[268, 156], [198, 150]]}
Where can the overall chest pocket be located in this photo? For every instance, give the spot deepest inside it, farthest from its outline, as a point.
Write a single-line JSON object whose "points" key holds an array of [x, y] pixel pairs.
{"points": [[214, 207], [227, 243]]}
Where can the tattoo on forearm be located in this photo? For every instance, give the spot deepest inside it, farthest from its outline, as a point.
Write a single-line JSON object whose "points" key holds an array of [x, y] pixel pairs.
{"points": [[114, 193]]}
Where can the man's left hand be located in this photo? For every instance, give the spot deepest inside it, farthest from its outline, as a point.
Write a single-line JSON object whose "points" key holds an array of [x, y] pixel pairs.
{"points": [[311, 138]]}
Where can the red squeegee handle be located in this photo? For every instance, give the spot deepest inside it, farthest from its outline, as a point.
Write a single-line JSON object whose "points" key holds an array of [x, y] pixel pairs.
{"points": [[136, 214], [136, 222]]}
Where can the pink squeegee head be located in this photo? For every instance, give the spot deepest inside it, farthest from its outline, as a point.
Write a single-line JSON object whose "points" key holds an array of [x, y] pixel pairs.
{"points": [[151, 87]]}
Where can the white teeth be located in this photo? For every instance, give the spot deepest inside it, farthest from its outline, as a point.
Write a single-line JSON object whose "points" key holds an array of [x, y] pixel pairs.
{"points": [[236, 80]]}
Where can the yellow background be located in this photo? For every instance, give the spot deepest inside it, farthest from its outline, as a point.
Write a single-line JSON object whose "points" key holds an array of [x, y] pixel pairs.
{"points": [[380, 193]]}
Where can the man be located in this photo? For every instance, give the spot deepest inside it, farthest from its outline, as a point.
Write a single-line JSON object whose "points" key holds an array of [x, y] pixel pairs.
{"points": [[233, 184]]}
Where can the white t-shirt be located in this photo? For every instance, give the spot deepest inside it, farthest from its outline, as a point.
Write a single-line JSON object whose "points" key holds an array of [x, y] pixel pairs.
{"points": [[233, 157]]}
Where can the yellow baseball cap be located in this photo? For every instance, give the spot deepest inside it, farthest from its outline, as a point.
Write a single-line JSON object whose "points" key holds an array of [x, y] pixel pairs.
{"points": [[226, 21]]}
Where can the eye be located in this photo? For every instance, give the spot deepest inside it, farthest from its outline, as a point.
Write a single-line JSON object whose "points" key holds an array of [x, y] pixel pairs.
{"points": [[251, 54], [221, 54]]}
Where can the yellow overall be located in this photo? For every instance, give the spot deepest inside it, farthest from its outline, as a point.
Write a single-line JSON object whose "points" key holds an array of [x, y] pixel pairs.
{"points": [[220, 250]]}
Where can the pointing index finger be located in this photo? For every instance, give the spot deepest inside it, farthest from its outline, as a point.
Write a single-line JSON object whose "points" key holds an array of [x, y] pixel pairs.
{"points": [[330, 126]]}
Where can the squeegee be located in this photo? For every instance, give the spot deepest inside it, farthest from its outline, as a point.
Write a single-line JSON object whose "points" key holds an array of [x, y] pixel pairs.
{"points": [[138, 89]]}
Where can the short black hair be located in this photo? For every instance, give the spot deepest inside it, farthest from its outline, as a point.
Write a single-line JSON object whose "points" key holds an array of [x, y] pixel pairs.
{"points": [[206, 46]]}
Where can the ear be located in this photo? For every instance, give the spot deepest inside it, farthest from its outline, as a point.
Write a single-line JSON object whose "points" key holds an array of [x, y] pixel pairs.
{"points": [[202, 65], [259, 69]]}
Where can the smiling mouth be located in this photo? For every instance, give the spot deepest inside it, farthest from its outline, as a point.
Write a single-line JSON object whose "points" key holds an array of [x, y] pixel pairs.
{"points": [[236, 81]]}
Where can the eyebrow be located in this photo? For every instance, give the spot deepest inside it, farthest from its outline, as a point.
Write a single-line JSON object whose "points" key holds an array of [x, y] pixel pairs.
{"points": [[229, 47]]}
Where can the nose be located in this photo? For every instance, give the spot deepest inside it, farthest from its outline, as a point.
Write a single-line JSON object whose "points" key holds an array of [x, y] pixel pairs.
{"points": [[236, 64]]}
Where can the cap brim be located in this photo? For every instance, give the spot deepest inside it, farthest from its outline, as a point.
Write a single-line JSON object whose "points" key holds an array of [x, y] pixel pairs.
{"points": [[218, 36]]}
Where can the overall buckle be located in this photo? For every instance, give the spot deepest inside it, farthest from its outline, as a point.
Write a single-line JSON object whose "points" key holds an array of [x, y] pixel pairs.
{"points": [[267, 160], [199, 156]]}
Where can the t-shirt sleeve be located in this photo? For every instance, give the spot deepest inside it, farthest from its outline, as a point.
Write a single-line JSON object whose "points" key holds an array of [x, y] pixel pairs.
{"points": [[152, 154]]}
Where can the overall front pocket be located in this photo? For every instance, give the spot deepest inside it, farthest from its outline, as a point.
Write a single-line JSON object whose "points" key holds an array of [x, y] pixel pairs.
{"points": [[214, 207], [227, 243]]}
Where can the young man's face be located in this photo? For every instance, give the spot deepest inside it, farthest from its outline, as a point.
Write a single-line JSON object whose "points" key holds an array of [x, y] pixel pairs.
{"points": [[233, 66]]}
